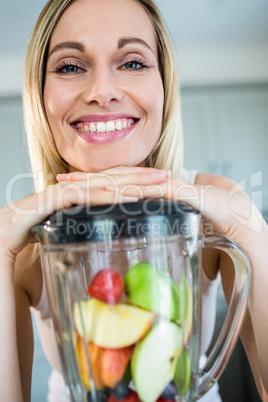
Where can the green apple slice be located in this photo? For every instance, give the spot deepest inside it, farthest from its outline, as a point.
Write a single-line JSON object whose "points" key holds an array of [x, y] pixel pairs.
{"points": [[154, 359], [183, 373], [184, 311], [150, 287], [188, 319], [179, 292], [112, 326]]}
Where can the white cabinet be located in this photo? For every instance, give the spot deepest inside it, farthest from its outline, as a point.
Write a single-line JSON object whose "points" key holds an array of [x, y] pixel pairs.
{"points": [[200, 130], [226, 132]]}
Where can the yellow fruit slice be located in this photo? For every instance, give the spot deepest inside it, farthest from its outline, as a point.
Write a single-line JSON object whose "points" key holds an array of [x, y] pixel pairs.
{"points": [[112, 326]]}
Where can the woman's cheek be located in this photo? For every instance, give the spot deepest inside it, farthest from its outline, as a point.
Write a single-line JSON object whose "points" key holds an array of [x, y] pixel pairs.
{"points": [[58, 100]]}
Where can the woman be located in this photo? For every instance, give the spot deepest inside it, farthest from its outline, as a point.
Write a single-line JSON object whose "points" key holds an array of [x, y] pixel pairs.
{"points": [[102, 115]]}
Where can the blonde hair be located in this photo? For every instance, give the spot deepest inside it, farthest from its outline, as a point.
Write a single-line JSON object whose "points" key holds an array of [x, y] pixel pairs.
{"points": [[45, 160], [168, 152]]}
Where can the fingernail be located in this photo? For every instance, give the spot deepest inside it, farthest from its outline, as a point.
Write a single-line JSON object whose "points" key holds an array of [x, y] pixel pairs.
{"points": [[129, 199], [62, 176], [168, 172]]}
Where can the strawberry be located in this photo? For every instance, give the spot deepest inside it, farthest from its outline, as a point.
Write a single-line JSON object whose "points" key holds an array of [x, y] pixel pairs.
{"points": [[107, 285]]}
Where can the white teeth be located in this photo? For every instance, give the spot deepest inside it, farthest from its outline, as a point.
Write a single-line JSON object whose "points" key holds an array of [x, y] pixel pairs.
{"points": [[118, 125], [110, 126], [101, 127], [105, 127], [92, 128]]}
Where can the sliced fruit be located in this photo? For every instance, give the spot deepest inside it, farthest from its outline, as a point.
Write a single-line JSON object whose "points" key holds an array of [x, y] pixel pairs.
{"points": [[94, 355], [115, 326], [183, 373], [151, 287], [184, 306], [154, 359], [107, 285], [113, 363], [108, 365]]}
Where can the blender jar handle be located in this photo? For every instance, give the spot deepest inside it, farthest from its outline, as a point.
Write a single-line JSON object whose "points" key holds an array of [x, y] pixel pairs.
{"points": [[223, 348]]}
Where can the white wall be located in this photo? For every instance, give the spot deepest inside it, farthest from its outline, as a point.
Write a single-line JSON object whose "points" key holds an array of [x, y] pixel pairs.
{"points": [[11, 76], [223, 65]]}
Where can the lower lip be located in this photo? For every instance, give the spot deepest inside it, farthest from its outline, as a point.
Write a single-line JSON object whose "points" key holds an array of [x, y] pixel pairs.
{"points": [[104, 138]]}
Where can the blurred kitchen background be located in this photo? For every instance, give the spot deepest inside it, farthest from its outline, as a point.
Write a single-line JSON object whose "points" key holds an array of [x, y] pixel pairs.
{"points": [[222, 48]]}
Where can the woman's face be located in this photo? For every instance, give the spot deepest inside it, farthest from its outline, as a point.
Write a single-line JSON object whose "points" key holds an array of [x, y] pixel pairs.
{"points": [[103, 91]]}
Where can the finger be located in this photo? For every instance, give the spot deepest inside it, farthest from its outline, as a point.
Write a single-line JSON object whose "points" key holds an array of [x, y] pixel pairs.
{"points": [[131, 179], [132, 169], [170, 190], [176, 189], [79, 176], [135, 179], [93, 197], [66, 195], [211, 201], [74, 176], [100, 197], [142, 192]]}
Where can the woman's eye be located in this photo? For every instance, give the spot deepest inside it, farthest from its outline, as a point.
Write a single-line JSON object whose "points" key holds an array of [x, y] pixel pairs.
{"points": [[133, 65], [69, 69]]}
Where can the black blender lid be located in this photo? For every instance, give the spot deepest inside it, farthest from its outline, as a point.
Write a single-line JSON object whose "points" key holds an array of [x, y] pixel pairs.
{"points": [[98, 223], [151, 207]]}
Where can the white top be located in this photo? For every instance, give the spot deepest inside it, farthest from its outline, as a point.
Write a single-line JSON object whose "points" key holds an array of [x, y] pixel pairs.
{"points": [[57, 390]]}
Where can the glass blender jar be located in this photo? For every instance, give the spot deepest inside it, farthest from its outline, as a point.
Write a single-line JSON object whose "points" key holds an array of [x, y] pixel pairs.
{"points": [[125, 291]]}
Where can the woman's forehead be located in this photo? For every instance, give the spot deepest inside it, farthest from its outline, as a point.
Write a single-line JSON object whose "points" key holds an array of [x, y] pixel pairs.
{"points": [[104, 20]]}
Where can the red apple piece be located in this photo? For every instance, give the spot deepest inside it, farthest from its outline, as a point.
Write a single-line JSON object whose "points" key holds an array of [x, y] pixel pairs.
{"points": [[107, 285], [113, 365], [108, 365]]}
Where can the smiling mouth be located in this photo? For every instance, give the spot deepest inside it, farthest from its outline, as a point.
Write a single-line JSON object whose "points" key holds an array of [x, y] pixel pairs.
{"points": [[104, 127]]}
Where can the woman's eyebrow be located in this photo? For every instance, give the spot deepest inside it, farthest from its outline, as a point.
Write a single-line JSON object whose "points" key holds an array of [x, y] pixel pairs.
{"points": [[125, 41], [67, 45], [79, 46]]}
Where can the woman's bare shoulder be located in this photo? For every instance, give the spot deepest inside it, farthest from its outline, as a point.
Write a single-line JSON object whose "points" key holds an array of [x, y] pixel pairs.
{"points": [[225, 183], [28, 273]]}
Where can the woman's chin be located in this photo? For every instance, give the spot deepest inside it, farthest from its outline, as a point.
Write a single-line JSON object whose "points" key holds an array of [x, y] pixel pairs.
{"points": [[102, 165]]}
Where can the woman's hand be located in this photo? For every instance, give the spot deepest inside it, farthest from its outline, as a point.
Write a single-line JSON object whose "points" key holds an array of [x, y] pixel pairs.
{"points": [[225, 207], [18, 218]]}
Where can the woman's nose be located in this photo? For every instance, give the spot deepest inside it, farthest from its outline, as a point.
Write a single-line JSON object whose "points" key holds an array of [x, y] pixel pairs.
{"points": [[102, 88]]}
